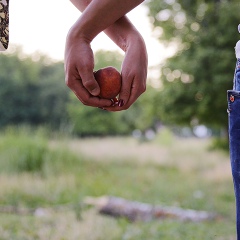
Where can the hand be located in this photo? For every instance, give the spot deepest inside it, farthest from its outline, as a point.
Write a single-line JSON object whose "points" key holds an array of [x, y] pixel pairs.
{"points": [[134, 74], [79, 60], [79, 64]]}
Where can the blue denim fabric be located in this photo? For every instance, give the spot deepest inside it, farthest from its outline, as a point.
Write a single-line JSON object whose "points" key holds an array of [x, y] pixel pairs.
{"points": [[233, 98]]}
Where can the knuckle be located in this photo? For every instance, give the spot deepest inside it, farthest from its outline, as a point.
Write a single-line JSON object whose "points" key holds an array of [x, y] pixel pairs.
{"points": [[143, 88], [128, 73], [84, 103], [89, 84], [125, 93]]}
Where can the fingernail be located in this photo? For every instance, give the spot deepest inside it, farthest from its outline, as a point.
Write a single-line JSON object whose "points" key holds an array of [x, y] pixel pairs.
{"points": [[113, 103], [115, 99], [120, 103]]}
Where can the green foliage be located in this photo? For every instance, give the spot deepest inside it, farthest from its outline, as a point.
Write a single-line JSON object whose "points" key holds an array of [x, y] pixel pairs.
{"points": [[220, 143], [25, 149], [197, 77], [22, 150], [107, 58], [31, 92], [53, 95], [165, 137], [93, 121], [97, 122]]}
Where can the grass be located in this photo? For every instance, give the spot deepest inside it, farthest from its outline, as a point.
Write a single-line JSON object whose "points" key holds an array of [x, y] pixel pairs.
{"points": [[167, 171]]}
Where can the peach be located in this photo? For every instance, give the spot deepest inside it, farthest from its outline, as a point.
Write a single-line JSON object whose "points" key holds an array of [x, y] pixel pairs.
{"points": [[110, 81]]}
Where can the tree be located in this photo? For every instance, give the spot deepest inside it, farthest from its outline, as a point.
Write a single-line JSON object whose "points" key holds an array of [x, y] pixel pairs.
{"points": [[31, 92], [89, 121], [53, 95], [17, 91], [196, 78], [107, 58]]}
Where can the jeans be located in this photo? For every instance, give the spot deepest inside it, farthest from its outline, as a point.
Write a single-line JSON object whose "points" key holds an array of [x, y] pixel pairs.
{"points": [[233, 98]]}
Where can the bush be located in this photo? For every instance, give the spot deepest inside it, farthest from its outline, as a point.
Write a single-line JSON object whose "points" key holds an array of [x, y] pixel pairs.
{"points": [[25, 149], [22, 150]]}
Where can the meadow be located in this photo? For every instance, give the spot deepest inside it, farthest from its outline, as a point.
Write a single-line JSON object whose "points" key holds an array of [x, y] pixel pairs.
{"points": [[45, 178]]}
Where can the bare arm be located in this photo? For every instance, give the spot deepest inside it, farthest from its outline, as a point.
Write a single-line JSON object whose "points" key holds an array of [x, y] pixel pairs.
{"points": [[109, 17], [118, 31], [98, 15]]}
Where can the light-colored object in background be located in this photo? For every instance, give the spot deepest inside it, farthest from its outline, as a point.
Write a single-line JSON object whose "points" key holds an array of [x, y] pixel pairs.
{"points": [[237, 49], [138, 211]]}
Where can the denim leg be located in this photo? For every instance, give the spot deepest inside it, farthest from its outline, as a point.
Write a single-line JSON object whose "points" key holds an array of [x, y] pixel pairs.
{"points": [[234, 139]]}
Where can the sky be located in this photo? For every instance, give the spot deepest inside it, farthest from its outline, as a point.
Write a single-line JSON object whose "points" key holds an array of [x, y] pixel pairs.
{"points": [[43, 25]]}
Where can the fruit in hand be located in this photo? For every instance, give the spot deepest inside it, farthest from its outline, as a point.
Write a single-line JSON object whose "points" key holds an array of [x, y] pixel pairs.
{"points": [[110, 81]]}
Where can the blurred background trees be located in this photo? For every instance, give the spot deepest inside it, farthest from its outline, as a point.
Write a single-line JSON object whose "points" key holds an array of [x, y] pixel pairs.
{"points": [[33, 92], [196, 78], [193, 82]]}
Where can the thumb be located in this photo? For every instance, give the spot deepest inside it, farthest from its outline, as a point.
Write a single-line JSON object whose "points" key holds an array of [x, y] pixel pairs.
{"points": [[90, 83]]}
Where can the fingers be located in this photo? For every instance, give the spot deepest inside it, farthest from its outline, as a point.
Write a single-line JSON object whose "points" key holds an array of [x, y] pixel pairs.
{"points": [[89, 82], [134, 75], [126, 89], [76, 85], [131, 89], [80, 79], [125, 92], [84, 64], [79, 63]]}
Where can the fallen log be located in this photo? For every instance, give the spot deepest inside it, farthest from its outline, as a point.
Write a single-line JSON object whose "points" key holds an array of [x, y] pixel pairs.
{"points": [[137, 211]]}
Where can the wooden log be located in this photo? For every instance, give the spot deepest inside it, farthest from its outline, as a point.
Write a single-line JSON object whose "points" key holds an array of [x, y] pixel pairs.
{"points": [[137, 211]]}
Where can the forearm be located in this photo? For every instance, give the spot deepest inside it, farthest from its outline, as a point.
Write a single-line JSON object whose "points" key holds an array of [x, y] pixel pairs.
{"points": [[108, 17]]}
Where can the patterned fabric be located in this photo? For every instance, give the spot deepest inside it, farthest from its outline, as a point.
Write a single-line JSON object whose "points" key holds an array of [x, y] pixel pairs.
{"points": [[4, 24]]}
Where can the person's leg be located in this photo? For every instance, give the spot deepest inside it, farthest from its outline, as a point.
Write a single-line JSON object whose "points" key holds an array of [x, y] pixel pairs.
{"points": [[4, 24], [234, 139]]}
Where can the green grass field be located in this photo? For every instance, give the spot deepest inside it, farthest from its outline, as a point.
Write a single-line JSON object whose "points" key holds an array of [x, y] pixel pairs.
{"points": [[44, 181]]}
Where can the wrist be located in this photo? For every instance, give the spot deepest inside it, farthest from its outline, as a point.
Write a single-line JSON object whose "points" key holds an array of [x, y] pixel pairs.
{"points": [[76, 33], [135, 40], [131, 40]]}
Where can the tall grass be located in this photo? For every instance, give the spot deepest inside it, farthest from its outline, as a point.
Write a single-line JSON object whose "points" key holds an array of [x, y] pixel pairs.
{"points": [[26, 149], [22, 150], [55, 175]]}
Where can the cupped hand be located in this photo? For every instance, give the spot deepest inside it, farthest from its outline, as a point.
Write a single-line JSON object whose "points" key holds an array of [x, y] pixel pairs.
{"points": [[134, 74], [79, 64]]}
